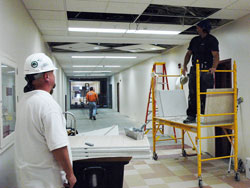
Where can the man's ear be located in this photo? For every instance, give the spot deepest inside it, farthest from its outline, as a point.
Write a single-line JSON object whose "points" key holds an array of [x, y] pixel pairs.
{"points": [[46, 76]]}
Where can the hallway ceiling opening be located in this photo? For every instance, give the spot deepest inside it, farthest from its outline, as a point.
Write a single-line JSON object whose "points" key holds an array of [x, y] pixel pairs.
{"points": [[123, 28]]}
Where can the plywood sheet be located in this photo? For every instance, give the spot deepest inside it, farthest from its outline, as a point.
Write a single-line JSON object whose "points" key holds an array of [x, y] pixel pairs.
{"points": [[219, 103]]}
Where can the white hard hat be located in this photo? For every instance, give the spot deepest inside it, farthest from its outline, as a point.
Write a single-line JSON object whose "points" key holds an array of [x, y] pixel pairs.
{"points": [[183, 79], [38, 63]]}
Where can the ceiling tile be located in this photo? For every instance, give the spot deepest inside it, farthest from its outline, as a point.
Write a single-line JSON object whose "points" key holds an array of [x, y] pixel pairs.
{"points": [[86, 24], [213, 3], [173, 2], [51, 24], [126, 8], [140, 48], [48, 15], [240, 4], [229, 14], [131, 1], [114, 25], [55, 32], [110, 35], [80, 47], [86, 6], [77, 35], [44, 4]]}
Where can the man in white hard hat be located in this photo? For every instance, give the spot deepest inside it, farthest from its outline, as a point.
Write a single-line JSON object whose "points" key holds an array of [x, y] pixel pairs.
{"points": [[42, 152]]}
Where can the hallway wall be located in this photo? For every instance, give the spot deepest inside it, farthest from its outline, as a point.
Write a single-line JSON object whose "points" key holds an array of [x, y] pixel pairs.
{"points": [[234, 39], [19, 37]]}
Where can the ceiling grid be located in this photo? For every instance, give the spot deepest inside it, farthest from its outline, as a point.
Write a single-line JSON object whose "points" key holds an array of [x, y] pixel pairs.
{"points": [[54, 19]]}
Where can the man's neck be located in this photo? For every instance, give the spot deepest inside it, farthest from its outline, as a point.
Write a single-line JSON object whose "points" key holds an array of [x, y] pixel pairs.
{"points": [[203, 35], [47, 89]]}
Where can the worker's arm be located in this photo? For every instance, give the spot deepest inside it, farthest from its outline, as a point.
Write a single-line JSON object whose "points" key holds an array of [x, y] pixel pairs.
{"points": [[216, 58], [97, 100], [87, 97], [186, 61], [62, 157]]}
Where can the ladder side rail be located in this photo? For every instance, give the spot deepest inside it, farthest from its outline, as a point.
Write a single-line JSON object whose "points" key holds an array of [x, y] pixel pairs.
{"points": [[198, 118], [235, 143]]}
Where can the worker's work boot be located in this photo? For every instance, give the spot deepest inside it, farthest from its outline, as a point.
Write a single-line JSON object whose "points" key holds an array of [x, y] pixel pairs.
{"points": [[94, 118], [189, 119]]}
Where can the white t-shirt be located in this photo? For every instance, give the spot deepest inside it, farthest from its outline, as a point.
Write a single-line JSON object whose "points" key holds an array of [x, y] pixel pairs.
{"points": [[40, 129]]}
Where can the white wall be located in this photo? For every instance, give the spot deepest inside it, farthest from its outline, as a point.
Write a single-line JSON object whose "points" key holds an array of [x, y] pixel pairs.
{"points": [[234, 40], [19, 37], [235, 43]]}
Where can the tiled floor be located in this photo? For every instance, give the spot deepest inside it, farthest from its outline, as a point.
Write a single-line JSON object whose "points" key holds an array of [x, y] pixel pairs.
{"points": [[171, 170]]}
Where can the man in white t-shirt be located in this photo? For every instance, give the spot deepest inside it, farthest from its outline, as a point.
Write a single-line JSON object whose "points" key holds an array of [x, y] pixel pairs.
{"points": [[42, 151]]}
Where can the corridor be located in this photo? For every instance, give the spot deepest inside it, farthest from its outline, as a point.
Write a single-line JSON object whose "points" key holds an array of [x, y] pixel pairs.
{"points": [[171, 170]]}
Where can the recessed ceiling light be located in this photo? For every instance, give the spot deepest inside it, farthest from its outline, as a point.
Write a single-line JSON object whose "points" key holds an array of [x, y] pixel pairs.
{"points": [[96, 48], [90, 71], [112, 66], [88, 66], [75, 57], [103, 30], [121, 57], [108, 57], [96, 30], [97, 75]]}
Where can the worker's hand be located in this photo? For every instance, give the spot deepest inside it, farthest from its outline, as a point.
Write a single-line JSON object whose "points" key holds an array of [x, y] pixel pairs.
{"points": [[71, 181], [212, 70], [184, 70]]}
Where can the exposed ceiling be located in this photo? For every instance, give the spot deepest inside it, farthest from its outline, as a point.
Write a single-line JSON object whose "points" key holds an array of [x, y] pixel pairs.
{"points": [[55, 17]]}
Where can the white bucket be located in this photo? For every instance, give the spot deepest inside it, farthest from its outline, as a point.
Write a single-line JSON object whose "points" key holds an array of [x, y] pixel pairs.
{"points": [[248, 168]]}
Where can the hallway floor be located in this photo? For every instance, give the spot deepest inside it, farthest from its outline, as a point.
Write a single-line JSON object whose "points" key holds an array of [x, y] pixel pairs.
{"points": [[171, 170]]}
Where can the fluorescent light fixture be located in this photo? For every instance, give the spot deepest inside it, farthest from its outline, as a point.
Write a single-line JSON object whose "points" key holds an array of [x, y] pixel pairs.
{"points": [[4, 66], [107, 57], [96, 30], [88, 66], [120, 57], [90, 71], [103, 30], [153, 32], [10, 72], [84, 75], [112, 66], [97, 75], [87, 57], [96, 48]]}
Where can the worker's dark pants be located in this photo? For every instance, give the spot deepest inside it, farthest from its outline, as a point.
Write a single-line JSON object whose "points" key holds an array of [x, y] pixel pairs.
{"points": [[206, 82]]}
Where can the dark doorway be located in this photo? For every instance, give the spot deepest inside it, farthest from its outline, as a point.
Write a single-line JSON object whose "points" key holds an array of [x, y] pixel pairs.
{"points": [[110, 96], [118, 97], [223, 80]]}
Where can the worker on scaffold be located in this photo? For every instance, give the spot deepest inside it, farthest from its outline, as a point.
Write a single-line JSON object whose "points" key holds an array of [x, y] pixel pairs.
{"points": [[204, 49]]}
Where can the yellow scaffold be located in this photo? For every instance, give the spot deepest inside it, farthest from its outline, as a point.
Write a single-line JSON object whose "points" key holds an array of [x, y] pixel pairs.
{"points": [[186, 128]]}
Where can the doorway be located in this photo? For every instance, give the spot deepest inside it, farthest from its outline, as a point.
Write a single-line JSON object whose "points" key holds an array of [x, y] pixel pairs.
{"points": [[110, 96], [118, 97], [223, 80]]}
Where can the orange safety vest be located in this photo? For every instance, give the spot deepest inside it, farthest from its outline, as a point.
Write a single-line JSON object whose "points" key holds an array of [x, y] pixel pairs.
{"points": [[91, 96]]}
